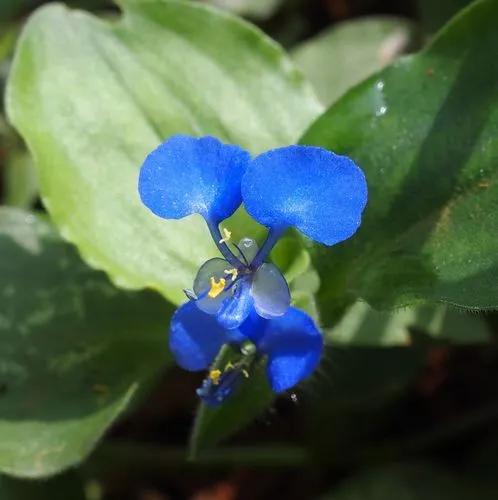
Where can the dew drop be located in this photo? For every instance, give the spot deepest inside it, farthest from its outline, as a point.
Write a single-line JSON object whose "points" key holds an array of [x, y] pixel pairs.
{"points": [[249, 248], [381, 111]]}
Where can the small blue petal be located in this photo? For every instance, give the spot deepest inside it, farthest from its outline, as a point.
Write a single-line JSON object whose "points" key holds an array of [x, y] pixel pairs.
{"points": [[237, 308], [187, 175], [270, 292], [196, 337], [320, 193], [293, 344]]}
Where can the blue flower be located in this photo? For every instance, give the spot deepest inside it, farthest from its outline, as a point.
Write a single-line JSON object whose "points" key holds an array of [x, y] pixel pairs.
{"points": [[240, 299]]}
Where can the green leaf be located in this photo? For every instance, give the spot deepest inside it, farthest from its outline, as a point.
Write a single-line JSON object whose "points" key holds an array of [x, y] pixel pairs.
{"points": [[424, 132], [21, 185], [291, 258], [212, 425], [433, 15], [349, 52], [74, 350], [364, 326], [8, 36], [92, 98]]}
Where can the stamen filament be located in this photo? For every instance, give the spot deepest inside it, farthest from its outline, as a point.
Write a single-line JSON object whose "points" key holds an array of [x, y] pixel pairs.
{"points": [[233, 273], [246, 262], [227, 235], [222, 246]]}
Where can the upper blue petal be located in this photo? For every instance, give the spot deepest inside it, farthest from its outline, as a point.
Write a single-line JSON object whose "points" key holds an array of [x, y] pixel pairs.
{"points": [[292, 342], [187, 175], [196, 337], [320, 193]]}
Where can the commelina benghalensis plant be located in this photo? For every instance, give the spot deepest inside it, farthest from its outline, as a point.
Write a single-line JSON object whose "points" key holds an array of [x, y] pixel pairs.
{"points": [[241, 299]]}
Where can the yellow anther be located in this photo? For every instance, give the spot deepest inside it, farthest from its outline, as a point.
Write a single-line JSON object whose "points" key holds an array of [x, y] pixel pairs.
{"points": [[216, 287], [233, 273], [226, 235], [229, 366], [215, 375]]}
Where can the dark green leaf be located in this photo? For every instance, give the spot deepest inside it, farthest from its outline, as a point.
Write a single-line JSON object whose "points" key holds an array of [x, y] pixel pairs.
{"points": [[74, 350], [433, 15], [8, 35], [424, 130], [21, 185], [92, 98]]}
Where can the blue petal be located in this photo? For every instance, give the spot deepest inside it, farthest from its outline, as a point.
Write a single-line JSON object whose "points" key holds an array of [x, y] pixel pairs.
{"points": [[253, 327], [320, 193], [237, 308], [196, 337], [293, 344], [270, 292], [187, 175]]}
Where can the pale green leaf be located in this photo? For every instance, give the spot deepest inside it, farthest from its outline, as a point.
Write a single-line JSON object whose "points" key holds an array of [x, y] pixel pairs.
{"points": [[92, 98]]}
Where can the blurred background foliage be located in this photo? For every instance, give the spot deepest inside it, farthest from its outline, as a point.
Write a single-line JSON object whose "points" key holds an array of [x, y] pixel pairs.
{"points": [[404, 406]]}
